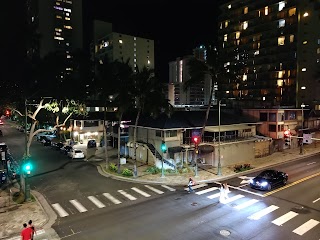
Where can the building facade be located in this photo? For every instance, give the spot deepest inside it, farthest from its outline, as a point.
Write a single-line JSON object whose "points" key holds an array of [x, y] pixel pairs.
{"points": [[198, 94], [276, 47]]}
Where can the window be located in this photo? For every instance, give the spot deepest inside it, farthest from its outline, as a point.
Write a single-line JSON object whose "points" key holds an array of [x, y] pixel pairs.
{"points": [[318, 50], [305, 14], [292, 12], [281, 40], [245, 10], [89, 123], [304, 69], [237, 35], [290, 115], [263, 116], [266, 10], [281, 6], [272, 117], [226, 23], [225, 37], [120, 41], [158, 133], [229, 6], [244, 77], [272, 128], [304, 42], [245, 25], [280, 128], [282, 23], [291, 38], [172, 133]]}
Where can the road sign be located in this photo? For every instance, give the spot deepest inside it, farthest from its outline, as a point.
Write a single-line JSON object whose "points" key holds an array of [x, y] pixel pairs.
{"points": [[307, 138]]}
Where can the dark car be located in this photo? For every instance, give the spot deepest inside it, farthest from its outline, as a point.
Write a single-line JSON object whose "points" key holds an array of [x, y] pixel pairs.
{"points": [[57, 146], [46, 142], [66, 149], [269, 179]]}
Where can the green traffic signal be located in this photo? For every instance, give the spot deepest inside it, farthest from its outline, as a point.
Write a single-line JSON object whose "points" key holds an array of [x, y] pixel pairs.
{"points": [[27, 168], [163, 147]]}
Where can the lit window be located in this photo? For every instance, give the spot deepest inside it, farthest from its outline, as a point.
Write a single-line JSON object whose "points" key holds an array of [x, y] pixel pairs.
{"points": [[120, 41], [134, 54], [225, 37], [306, 14], [245, 25], [226, 23], [58, 34], [227, 91], [59, 38], [292, 12], [256, 52], [281, 5], [304, 42], [67, 44], [229, 6], [258, 45], [318, 41], [135, 49], [244, 77], [58, 16], [281, 74], [135, 60], [291, 38], [237, 35], [303, 87], [318, 50], [135, 65], [282, 23], [58, 29], [149, 62], [67, 18], [279, 82], [266, 10], [263, 98], [226, 64], [304, 69], [67, 14], [134, 38], [134, 44], [281, 40], [245, 10], [68, 56], [67, 27]]}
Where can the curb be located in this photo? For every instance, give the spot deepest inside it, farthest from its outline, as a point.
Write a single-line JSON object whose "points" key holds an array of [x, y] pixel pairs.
{"points": [[50, 214]]}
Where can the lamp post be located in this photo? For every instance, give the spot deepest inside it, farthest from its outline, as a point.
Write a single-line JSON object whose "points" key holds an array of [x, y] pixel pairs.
{"points": [[302, 126], [219, 153]]}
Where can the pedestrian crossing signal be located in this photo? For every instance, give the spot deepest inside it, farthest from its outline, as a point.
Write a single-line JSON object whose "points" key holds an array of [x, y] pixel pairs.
{"points": [[163, 147]]}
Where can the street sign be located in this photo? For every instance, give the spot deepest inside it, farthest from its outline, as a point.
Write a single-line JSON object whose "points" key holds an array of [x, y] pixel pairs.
{"points": [[307, 138]]}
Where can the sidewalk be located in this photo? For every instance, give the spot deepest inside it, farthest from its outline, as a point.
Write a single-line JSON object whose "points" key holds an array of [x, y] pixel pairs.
{"points": [[43, 216]]}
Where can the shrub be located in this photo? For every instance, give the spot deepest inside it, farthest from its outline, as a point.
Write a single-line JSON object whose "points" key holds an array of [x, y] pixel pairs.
{"points": [[170, 170], [113, 167], [239, 168], [153, 170], [127, 172]]}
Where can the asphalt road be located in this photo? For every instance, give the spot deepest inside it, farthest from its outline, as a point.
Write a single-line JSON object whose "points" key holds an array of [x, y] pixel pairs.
{"points": [[91, 206]]}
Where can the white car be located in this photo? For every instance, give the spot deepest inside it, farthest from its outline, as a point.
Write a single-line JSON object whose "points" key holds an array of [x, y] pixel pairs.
{"points": [[76, 153]]}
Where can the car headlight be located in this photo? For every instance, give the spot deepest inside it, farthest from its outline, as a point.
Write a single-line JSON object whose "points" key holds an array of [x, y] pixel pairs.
{"points": [[263, 184], [251, 181]]}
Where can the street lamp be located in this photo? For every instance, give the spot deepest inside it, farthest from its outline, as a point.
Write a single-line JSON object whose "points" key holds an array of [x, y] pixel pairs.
{"points": [[302, 126]]}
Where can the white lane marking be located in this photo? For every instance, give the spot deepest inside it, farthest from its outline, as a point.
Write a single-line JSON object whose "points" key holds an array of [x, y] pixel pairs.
{"points": [[234, 198], [284, 218], [78, 205], [316, 200], [311, 163], [141, 192], [96, 202], [169, 188], [127, 195], [197, 186], [246, 204], [263, 212], [214, 196], [111, 198], [206, 190], [306, 227], [154, 189], [60, 210]]}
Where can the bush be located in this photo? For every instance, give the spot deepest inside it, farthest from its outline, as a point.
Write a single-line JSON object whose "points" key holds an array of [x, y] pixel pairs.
{"points": [[153, 170], [113, 167], [240, 168], [170, 170], [127, 172]]}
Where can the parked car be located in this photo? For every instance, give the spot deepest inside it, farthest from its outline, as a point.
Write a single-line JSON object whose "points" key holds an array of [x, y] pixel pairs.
{"points": [[57, 146], [46, 142], [66, 149], [1, 122], [268, 179], [92, 143], [48, 135], [76, 153]]}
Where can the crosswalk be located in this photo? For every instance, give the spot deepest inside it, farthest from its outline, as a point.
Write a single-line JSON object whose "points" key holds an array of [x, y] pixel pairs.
{"points": [[236, 201], [213, 192], [105, 199]]}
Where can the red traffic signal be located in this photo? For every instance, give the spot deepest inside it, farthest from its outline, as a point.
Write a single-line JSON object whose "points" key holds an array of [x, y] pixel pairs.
{"points": [[287, 133], [196, 140]]}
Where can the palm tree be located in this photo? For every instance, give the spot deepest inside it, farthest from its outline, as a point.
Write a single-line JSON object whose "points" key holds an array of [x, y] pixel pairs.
{"points": [[200, 70]]}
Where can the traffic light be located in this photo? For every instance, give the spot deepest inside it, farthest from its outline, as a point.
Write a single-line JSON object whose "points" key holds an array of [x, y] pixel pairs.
{"points": [[196, 141], [7, 112], [163, 147], [287, 137], [27, 167]]}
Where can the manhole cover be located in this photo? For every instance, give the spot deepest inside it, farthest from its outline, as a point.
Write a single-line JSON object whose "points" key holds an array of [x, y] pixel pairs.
{"points": [[194, 204], [225, 232], [300, 209]]}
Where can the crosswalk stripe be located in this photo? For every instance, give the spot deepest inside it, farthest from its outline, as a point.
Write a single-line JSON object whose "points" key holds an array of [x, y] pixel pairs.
{"points": [[96, 202], [246, 204], [169, 188], [197, 186], [214, 196], [111, 198], [60, 210], [141, 192], [306, 227], [127, 195], [154, 189], [284, 218], [78, 205], [263, 212], [206, 190], [234, 198]]}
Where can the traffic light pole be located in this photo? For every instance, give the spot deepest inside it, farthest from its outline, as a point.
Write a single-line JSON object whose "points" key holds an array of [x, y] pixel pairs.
{"points": [[219, 152], [25, 175]]}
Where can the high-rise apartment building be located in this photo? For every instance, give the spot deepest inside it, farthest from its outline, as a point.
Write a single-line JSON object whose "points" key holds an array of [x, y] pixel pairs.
{"points": [[276, 47], [118, 46], [198, 94]]}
